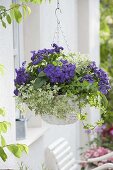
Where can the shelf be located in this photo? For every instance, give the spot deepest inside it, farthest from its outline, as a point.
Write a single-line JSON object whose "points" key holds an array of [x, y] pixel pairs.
{"points": [[32, 135]]}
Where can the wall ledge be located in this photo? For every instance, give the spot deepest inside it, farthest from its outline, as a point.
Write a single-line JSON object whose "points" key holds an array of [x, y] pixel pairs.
{"points": [[33, 134]]}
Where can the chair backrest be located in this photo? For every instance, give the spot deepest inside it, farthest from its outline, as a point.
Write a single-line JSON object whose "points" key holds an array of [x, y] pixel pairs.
{"points": [[59, 156]]}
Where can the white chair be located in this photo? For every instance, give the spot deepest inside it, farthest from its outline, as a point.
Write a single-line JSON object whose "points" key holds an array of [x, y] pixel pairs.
{"points": [[60, 157]]}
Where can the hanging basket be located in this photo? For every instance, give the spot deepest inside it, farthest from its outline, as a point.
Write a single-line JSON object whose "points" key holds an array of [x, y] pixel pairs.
{"points": [[53, 82], [66, 118], [51, 119], [68, 114]]}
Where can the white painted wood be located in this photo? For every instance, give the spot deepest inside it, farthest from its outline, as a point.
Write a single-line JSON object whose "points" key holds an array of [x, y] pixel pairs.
{"points": [[67, 160], [61, 147], [88, 43], [69, 165], [60, 155], [60, 140], [104, 167], [33, 134], [109, 155], [74, 167]]}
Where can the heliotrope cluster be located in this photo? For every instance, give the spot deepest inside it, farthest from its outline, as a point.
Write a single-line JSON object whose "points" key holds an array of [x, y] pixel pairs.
{"points": [[51, 72], [22, 77], [88, 78], [38, 56], [60, 74], [103, 80]]}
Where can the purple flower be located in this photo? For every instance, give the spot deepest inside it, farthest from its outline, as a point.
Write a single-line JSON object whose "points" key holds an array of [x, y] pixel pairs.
{"points": [[88, 131], [93, 66], [98, 129], [57, 48], [33, 55], [101, 75], [64, 61], [88, 78], [39, 70], [22, 76], [104, 126], [16, 92], [60, 74], [37, 61], [38, 56]]}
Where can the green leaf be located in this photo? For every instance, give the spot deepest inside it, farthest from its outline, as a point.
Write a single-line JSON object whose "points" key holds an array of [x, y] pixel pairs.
{"points": [[2, 7], [15, 150], [100, 122], [81, 116], [104, 100], [24, 7], [3, 142], [0, 17], [17, 15], [3, 154], [2, 112], [41, 74], [23, 148], [37, 1], [3, 24], [29, 10], [8, 19], [18, 149], [89, 126], [39, 82], [4, 126]]}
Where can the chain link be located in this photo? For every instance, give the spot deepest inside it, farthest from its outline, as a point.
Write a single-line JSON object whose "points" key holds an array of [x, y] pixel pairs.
{"points": [[58, 4], [59, 28], [65, 39]]}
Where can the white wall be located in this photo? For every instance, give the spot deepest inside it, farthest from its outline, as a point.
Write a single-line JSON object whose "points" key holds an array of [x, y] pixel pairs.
{"points": [[6, 83], [40, 35], [88, 42]]}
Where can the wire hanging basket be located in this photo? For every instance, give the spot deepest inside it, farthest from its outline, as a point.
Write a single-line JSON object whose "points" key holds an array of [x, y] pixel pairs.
{"points": [[59, 86]]}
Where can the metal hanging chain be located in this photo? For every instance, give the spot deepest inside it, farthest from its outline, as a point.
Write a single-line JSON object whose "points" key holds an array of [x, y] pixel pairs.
{"points": [[56, 34], [59, 27], [65, 40]]}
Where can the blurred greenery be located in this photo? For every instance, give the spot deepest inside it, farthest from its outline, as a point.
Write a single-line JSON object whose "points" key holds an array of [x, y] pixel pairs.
{"points": [[16, 11], [106, 49]]}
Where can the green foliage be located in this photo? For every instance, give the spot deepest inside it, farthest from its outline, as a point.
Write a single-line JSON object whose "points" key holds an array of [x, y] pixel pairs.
{"points": [[23, 167], [16, 11], [62, 99], [15, 149], [106, 50], [2, 111], [44, 167], [39, 82]]}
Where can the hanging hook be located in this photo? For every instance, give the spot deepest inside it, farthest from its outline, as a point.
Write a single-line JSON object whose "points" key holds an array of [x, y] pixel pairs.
{"points": [[58, 10], [59, 28], [56, 14]]}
